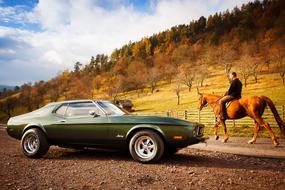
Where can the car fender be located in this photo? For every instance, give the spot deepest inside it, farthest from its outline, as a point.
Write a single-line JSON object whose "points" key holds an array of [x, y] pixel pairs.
{"points": [[145, 126], [34, 125]]}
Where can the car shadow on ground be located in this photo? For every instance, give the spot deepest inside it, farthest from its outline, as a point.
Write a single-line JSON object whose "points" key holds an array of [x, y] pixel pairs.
{"points": [[87, 154], [209, 160]]}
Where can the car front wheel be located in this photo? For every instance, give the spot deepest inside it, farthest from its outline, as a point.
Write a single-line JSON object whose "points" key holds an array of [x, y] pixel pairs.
{"points": [[146, 146], [34, 143]]}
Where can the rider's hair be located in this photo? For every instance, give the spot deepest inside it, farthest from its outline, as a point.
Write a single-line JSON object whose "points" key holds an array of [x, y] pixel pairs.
{"points": [[234, 74]]}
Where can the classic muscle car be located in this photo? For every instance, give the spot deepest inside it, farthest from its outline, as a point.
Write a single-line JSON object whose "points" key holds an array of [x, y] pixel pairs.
{"points": [[96, 123]]}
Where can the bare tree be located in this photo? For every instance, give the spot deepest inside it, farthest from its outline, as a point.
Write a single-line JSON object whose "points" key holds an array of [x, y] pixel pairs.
{"points": [[279, 59], [177, 87], [255, 69], [244, 66], [201, 68], [226, 55], [187, 75], [250, 49], [153, 78]]}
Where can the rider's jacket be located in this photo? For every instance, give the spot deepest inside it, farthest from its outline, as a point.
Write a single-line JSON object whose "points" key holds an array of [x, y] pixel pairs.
{"points": [[235, 89]]}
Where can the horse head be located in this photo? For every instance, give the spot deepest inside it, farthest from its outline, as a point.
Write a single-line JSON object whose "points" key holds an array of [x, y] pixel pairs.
{"points": [[202, 100]]}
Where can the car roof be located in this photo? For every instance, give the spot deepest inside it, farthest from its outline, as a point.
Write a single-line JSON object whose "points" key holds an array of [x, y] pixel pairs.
{"points": [[75, 101]]}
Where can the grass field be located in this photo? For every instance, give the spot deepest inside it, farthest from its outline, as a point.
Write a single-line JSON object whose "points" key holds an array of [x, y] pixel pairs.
{"points": [[165, 99]]}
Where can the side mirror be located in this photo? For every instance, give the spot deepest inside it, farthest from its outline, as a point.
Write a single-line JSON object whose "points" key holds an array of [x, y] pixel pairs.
{"points": [[93, 113]]}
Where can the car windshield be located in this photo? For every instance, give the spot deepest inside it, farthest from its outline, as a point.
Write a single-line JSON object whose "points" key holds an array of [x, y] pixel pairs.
{"points": [[110, 109]]}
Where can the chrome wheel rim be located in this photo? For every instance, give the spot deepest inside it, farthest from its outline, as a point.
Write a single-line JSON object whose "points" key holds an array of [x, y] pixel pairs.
{"points": [[145, 147], [31, 144]]}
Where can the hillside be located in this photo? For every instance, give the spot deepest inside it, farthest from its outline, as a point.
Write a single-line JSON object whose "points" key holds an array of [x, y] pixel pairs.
{"points": [[4, 88], [249, 40]]}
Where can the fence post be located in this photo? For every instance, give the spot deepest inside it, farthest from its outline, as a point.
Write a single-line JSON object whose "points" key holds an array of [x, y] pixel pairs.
{"points": [[185, 115], [199, 119], [168, 113]]}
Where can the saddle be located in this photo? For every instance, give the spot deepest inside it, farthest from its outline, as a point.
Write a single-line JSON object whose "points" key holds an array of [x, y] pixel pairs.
{"points": [[229, 103]]}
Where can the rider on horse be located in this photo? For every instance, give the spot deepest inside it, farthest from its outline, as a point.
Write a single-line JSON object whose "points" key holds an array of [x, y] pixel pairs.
{"points": [[234, 92]]}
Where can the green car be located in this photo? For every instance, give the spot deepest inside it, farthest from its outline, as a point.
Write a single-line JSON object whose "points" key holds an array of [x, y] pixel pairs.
{"points": [[100, 124]]}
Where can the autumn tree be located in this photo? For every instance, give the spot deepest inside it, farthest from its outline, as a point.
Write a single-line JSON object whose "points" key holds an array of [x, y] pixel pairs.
{"points": [[137, 76], [37, 93], [53, 90], [25, 96], [165, 67], [180, 55], [97, 82], [8, 105], [114, 85]]}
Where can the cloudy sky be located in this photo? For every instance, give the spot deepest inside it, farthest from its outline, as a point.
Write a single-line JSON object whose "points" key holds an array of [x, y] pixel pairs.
{"points": [[38, 39]]}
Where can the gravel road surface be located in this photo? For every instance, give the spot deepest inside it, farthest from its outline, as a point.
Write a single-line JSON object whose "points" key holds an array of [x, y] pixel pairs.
{"points": [[190, 168]]}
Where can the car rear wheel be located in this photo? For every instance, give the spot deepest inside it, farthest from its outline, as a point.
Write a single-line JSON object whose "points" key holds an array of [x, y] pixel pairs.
{"points": [[34, 143], [146, 146]]}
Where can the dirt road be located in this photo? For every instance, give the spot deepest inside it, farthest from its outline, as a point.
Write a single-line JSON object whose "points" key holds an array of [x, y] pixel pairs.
{"points": [[97, 169]]}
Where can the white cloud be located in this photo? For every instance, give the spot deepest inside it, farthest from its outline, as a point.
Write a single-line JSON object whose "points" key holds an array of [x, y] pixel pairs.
{"points": [[75, 30], [6, 51]]}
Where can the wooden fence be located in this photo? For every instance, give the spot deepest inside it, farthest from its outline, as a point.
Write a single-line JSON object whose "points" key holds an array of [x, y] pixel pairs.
{"points": [[207, 117]]}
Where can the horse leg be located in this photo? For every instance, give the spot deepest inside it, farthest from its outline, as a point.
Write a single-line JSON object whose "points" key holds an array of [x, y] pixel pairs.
{"points": [[216, 130], [267, 126], [256, 130], [226, 137]]}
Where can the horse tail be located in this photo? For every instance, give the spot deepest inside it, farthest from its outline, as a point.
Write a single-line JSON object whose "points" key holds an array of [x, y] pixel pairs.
{"points": [[278, 119]]}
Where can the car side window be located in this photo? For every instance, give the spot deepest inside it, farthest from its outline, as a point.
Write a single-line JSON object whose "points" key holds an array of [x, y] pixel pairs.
{"points": [[83, 109], [61, 110]]}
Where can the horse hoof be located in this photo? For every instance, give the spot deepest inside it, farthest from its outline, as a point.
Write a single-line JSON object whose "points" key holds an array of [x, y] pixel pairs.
{"points": [[251, 142], [276, 144], [217, 137], [224, 140]]}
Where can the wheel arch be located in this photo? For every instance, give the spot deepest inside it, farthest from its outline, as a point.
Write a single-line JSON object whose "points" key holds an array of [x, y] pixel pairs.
{"points": [[34, 125], [141, 127]]}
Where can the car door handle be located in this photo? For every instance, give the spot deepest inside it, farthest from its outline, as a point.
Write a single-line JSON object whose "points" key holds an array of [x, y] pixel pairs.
{"points": [[62, 121]]}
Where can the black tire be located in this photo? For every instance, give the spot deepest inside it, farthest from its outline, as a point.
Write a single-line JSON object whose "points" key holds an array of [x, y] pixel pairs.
{"points": [[146, 146], [34, 143]]}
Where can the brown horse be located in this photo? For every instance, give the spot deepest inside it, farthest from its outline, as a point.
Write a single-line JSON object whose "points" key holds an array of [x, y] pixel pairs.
{"points": [[252, 106]]}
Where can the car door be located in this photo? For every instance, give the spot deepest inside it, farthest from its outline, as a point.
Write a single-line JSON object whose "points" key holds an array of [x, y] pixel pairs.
{"points": [[81, 123]]}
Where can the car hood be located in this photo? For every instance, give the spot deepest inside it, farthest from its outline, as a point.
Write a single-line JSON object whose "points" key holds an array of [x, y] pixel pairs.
{"points": [[134, 119]]}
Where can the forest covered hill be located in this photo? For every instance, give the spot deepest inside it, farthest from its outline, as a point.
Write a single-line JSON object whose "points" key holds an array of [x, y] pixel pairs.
{"points": [[249, 40]]}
